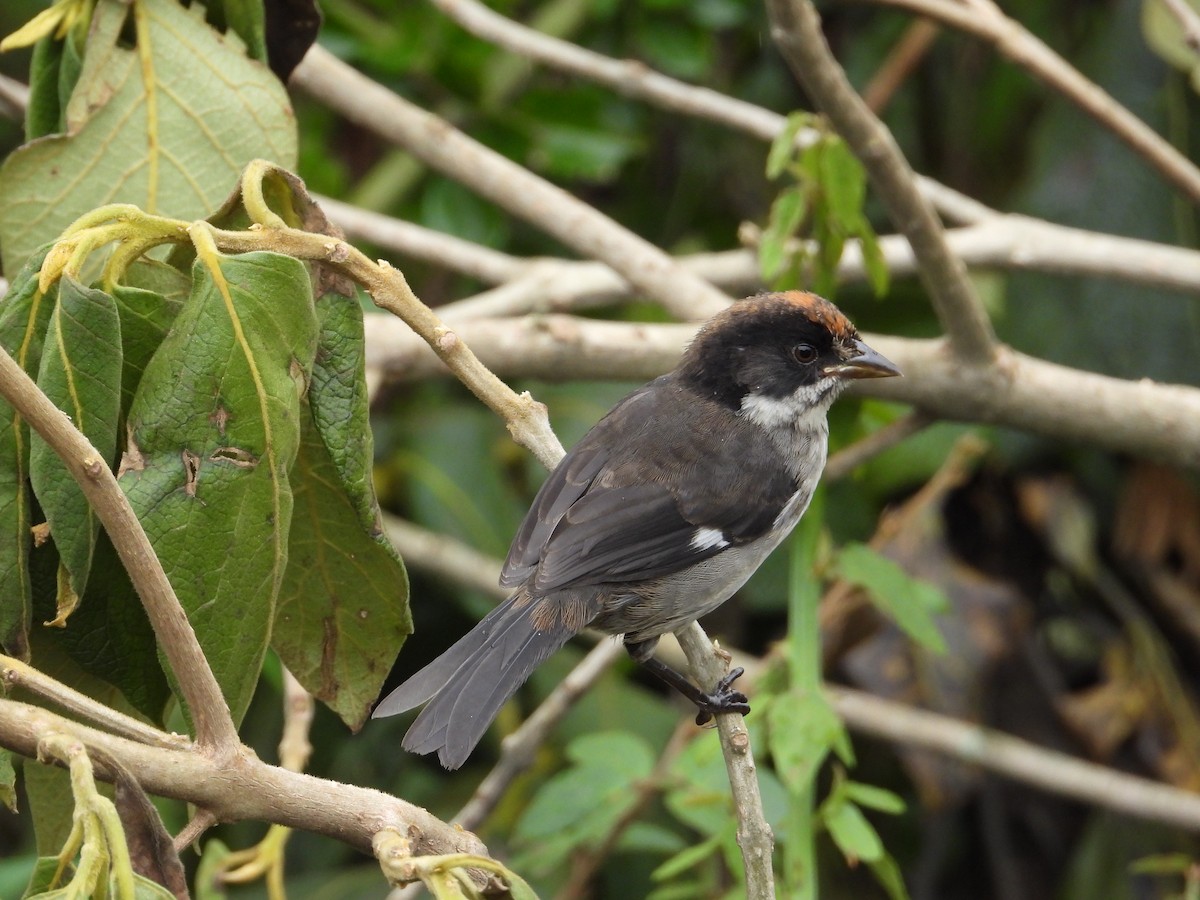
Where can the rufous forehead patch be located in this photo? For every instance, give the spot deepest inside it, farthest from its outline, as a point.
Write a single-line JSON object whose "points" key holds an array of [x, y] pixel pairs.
{"points": [[818, 309]]}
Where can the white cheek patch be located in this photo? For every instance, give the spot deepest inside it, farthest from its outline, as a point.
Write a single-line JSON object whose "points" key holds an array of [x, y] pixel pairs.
{"points": [[803, 408], [708, 538]]}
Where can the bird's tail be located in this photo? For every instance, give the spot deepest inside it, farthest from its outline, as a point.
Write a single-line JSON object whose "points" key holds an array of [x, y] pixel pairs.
{"points": [[467, 685]]}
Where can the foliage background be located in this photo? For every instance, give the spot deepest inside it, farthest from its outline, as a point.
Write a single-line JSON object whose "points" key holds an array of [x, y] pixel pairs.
{"points": [[965, 117]]}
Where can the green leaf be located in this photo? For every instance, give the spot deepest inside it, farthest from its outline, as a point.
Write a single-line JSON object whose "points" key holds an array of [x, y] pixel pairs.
{"points": [[787, 212], [889, 876], [688, 858], [802, 729], [873, 259], [873, 797], [214, 432], [8, 781], [208, 884], [172, 144], [146, 317], [843, 181], [343, 605], [24, 315], [43, 115], [590, 154], [1162, 864], [581, 804], [110, 638], [80, 372], [340, 411], [246, 19], [51, 805], [909, 602], [853, 834], [783, 147]]}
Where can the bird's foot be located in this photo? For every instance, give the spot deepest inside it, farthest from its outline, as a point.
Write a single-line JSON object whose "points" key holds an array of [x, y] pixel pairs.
{"points": [[722, 699]]}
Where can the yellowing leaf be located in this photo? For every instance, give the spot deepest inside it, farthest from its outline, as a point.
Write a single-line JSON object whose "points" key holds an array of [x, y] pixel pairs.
{"points": [[167, 125]]}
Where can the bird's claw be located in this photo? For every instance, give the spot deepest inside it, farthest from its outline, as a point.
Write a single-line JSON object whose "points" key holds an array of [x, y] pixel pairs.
{"points": [[723, 699]]}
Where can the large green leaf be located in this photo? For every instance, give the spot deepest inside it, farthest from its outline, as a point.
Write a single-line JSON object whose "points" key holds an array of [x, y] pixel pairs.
{"points": [[214, 432], [146, 316], [80, 372], [24, 313], [343, 607], [168, 125]]}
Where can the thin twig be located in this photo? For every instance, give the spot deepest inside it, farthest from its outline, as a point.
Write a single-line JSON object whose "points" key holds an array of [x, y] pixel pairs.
{"points": [[635, 79], [1188, 19], [796, 29], [295, 748], [852, 456], [518, 750], [14, 673], [215, 731], [419, 242], [900, 62], [754, 835], [1051, 771], [502, 181], [1013, 40]]}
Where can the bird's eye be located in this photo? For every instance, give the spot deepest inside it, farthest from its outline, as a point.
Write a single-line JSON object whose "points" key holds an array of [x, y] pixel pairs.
{"points": [[805, 354]]}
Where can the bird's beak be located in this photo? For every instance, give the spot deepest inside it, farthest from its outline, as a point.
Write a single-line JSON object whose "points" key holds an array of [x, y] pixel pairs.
{"points": [[865, 363]]}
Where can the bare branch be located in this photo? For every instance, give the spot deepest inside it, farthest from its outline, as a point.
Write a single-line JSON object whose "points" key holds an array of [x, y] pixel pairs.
{"points": [[986, 21], [502, 181], [1053, 772], [796, 29], [17, 674], [1143, 418], [240, 786], [1188, 19], [635, 79], [419, 242]]}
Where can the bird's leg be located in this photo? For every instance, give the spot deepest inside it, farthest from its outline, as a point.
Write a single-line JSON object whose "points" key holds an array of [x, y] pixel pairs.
{"points": [[721, 699]]}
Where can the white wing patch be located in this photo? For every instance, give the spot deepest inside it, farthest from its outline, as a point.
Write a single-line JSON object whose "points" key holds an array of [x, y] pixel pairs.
{"points": [[707, 538]]}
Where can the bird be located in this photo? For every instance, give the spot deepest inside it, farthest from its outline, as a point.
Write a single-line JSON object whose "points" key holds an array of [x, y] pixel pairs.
{"points": [[658, 514]]}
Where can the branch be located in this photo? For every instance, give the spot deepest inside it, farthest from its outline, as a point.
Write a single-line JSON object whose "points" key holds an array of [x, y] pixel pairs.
{"points": [[1030, 53], [1143, 418], [14, 673], [240, 786], [1053, 772], [754, 835], [526, 418], [796, 29], [634, 78], [419, 242], [215, 731], [502, 181]]}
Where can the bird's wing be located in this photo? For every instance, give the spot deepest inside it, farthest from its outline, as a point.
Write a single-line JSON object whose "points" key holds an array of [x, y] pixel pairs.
{"points": [[618, 508]]}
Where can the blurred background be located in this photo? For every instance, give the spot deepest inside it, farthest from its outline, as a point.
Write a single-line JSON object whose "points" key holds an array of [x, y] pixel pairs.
{"points": [[1073, 575]]}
